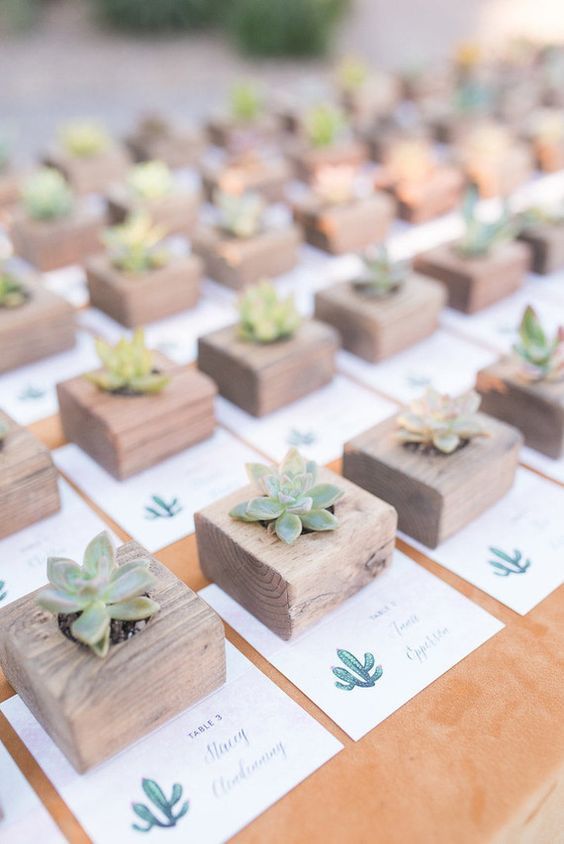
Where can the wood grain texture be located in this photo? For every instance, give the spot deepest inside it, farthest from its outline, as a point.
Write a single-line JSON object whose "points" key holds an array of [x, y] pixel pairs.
{"points": [[92, 708], [51, 244], [350, 227], [176, 213], [476, 283], [137, 299], [261, 378], [90, 174], [307, 160], [289, 587], [42, 326], [434, 494], [375, 329], [177, 146], [423, 200], [535, 408], [238, 263], [265, 176], [546, 243], [126, 434], [29, 490]]}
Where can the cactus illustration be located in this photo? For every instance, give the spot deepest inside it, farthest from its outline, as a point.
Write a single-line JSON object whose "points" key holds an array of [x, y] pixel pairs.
{"points": [[156, 795], [414, 379], [3, 590], [364, 680], [31, 393], [161, 509], [509, 564], [297, 438]]}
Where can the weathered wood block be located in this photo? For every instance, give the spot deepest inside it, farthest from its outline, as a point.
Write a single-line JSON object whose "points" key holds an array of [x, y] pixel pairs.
{"points": [[28, 479], [423, 200], [90, 174], [51, 244], [126, 434], [435, 494], [289, 587], [92, 708], [176, 213], [546, 242], [476, 283], [266, 176], [42, 326], [177, 146], [263, 378], [136, 299], [375, 329], [350, 227], [535, 408], [308, 160], [238, 263]]}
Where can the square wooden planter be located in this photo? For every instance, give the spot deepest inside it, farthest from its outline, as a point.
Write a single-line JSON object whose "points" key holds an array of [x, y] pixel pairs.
{"points": [[225, 131], [90, 174], [535, 408], [549, 156], [421, 201], [375, 329], [51, 244], [92, 708], [126, 434], [435, 494], [546, 242], [42, 326], [500, 178], [266, 176], [240, 262], [176, 146], [308, 160], [261, 378], [289, 587], [177, 213], [350, 227], [29, 490], [476, 283]]}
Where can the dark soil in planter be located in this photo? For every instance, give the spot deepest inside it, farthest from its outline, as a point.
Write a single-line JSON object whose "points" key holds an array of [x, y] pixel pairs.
{"points": [[422, 448], [120, 631], [123, 391]]}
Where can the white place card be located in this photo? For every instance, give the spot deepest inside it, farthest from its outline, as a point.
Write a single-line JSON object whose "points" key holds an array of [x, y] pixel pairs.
{"points": [[157, 506], [70, 283], [319, 424], [551, 468], [201, 777], [513, 551], [378, 650]]}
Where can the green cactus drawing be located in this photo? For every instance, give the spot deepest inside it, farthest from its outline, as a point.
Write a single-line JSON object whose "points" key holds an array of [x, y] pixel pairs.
{"points": [[3, 590], [161, 509], [364, 680], [509, 564], [414, 379], [31, 393], [156, 795], [297, 438]]}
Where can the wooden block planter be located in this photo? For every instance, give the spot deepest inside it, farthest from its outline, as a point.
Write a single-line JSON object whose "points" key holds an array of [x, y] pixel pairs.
{"points": [[263, 378], [536, 408], [349, 227], [238, 262], [268, 177], [549, 156], [546, 243], [128, 433], [51, 244], [174, 145], [225, 131], [421, 201], [375, 329], [308, 160], [177, 213], [28, 479], [476, 283], [92, 708], [289, 587], [435, 494], [42, 326], [90, 174]]}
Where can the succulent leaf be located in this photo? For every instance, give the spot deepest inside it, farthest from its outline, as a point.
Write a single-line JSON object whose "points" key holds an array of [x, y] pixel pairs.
{"points": [[128, 367], [441, 422], [150, 180], [381, 276], [288, 527], [480, 237], [13, 293], [319, 520], [60, 601], [539, 356], [90, 627], [266, 317], [246, 102], [133, 609], [239, 215], [84, 138], [136, 246], [324, 124], [47, 195]]}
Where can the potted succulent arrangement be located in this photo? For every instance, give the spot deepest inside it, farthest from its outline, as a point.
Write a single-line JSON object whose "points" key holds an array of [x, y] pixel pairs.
{"points": [[138, 279], [324, 138], [242, 246], [29, 490], [295, 543], [484, 265], [342, 212], [51, 228], [526, 388], [542, 229], [84, 636], [365, 94], [493, 159], [386, 308], [9, 183], [151, 188], [470, 101], [439, 462], [545, 131], [270, 358], [245, 123], [157, 139], [137, 409], [87, 157]]}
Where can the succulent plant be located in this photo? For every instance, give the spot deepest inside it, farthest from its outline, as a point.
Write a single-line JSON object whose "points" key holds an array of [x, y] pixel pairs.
{"points": [[246, 102], [380, 275], [99, 592], [264, 316], [4, 153], [12, 291], [480, 238], [540, 357], [47, 195], [150, 180], [136, 246], [128, 368], [3, 433], [336, 185], [352, 73], [324, 124], [441, 421], [239, 214], [84, 138], [290, 500]]}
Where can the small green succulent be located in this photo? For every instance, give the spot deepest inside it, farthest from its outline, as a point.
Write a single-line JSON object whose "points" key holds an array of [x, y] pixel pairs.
{"points": [[265, 317], [136, 246], [99, 591], [441, 421], [290, 499], [47, 195], [246, 102], [3, 433], [324, 124], [84, 138], [541, 358], [12, 292], [481, 238], [239, 215], [4, 153], [150, 180], [380, 276], [128, 368], [352, 74]]}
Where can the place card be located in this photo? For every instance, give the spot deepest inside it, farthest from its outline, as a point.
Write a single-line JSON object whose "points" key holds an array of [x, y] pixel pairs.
{"points": [[376, 651], [201, 777]]}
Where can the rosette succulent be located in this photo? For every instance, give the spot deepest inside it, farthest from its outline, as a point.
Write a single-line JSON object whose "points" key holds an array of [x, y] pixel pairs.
{"points": [[239, 214], [84, 138], [136, 246], [128, 368], [480, 238], [289, 500], [540, 357], [324, 124], [47, 195], [352, 74], [150, 180], [380, 276], [12, 292], [441, 421], [264, 316], [246, 102], [98, 592]]}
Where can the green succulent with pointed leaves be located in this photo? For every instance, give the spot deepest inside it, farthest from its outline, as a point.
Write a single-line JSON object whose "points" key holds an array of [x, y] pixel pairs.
{"points": [[99, 591], [13, 293], [540, 357], [324, 124], [47, 195], [128, 368], [480, 238], [265, 316], [380, 276], [150, 180], [246, 102], [84, 138], [441, 421], [290, 499], [136, 246], [239, 215]]}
